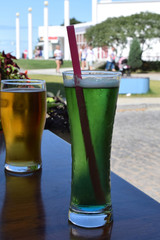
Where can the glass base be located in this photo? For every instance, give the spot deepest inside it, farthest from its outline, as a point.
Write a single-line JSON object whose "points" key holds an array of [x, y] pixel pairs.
{"points": [[88, 219], [22, 169]]}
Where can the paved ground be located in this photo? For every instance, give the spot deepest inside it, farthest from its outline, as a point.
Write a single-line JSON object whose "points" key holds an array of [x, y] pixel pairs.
{"points": [[136, 141], [152, 76]]}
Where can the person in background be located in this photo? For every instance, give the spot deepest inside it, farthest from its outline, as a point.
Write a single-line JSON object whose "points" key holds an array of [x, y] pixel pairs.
{"points": [[58, 57], [110, 65], [90, 57], [37, 52], [82, 56]]}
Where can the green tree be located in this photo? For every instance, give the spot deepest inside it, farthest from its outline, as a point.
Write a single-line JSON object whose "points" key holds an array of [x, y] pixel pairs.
{"points": [[109, 32], [116, 31], [72, 21], [134, 59]]}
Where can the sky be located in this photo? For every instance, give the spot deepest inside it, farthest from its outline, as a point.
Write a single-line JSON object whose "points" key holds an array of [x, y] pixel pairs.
{"points": [[79, 9]]}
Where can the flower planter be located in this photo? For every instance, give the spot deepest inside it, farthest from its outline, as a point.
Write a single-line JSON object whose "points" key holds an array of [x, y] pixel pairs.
{"points": [[134, 85]]}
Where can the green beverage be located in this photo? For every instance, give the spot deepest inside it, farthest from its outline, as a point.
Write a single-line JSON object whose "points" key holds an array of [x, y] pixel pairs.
{"points": [[100, 95]]}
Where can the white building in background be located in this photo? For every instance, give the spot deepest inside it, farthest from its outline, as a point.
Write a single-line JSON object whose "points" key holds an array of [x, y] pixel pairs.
{"points": [[30, 33], [17, 36], [101, 10]]}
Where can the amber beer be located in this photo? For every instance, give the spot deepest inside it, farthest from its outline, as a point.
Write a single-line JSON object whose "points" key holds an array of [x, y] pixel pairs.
{"points": [[23, 113]]}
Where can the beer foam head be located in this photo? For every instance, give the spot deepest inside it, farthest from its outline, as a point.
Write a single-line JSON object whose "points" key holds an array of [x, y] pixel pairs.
{"points": [[92, 79]]}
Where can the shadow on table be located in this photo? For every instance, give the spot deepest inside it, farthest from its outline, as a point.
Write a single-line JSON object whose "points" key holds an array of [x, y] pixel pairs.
{"points": [[21, 202]]}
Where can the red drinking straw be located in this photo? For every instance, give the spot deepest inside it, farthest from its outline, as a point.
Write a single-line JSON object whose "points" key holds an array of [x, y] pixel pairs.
{"points": [[90, 155], [0, 91]]}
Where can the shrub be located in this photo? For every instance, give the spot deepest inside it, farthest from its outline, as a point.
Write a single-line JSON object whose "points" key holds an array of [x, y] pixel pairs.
{"points": [[148, 66], [9, 69], [134, 59], [57, 113]]}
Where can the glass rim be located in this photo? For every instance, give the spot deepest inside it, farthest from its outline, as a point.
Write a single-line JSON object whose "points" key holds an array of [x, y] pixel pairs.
{"points": [[92, 79], [94, 72], [22, 81]]}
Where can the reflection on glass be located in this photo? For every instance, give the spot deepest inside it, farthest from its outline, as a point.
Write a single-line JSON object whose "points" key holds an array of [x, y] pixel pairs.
{"points": [[2, 144], [77, 233], [23, 214]]}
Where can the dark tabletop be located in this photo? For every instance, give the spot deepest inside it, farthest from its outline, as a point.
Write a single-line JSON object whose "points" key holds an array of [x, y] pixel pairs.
{"points": [[36, 207]]}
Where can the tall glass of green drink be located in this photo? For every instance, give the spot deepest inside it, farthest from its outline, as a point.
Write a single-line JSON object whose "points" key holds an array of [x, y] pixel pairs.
{"points": [[91, 103]]}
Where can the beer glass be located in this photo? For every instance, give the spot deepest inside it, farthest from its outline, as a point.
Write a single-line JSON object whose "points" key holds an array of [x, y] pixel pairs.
{"points": [[90, 204], [23, 114]]}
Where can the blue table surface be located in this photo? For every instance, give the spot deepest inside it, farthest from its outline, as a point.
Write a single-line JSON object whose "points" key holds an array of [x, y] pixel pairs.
{"points": [[36, 207]]}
